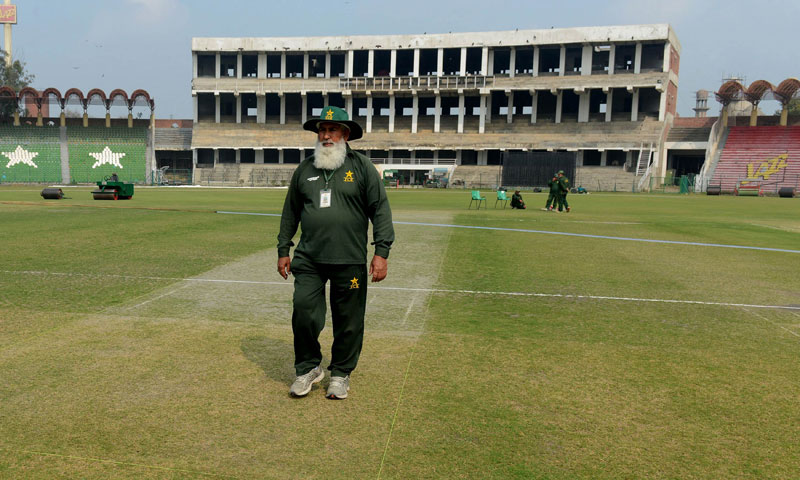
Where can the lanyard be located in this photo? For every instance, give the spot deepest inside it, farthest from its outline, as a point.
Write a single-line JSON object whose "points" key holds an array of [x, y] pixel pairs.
{"points": [[328, 177]]}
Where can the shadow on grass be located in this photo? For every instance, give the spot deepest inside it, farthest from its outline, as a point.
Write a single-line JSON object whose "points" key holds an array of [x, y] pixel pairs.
{"points": [[275, 357]]}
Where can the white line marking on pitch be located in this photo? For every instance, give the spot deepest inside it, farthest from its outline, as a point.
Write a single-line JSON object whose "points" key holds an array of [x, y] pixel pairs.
{"points": [[408, 369], [427, 290], [408, 310], [566, 234], [604, 237], [776, 324], [160, 296]]}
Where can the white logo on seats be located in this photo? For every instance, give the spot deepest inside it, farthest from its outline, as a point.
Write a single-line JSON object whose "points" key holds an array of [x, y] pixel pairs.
{"points": [[20, 155], [107, 157]]}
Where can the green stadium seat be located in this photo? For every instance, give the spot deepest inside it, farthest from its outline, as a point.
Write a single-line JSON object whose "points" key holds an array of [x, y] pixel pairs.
{"points": [[44, 141], [501, 197], [476, 197]]}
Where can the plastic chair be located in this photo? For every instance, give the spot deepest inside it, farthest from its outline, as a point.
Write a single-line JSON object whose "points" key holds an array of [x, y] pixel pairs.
{"points": [[476, 197], [501, 197]]}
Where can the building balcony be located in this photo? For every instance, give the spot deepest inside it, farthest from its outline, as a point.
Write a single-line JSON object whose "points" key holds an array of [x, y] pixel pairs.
{"points": [[432, 83], [413, 161], [427, 82]]}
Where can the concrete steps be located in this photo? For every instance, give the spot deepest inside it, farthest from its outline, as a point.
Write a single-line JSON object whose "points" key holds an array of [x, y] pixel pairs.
{"points": [[592, 135], [477, 177], [605, 179], [245, 175], [688, 134], [173, 138]]}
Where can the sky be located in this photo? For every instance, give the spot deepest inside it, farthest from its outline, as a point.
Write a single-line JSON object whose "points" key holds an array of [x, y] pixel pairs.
{"points": [[133, 44]]}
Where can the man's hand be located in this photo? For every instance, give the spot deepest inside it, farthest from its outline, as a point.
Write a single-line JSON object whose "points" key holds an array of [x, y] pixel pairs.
{"points": [[378, 268], [285, 267]]}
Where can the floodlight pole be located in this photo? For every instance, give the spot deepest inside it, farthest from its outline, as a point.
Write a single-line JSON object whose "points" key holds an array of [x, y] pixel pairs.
{"points": [[7, 39]]}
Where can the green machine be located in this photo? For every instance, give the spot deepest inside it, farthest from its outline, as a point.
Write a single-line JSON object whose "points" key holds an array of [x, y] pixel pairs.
{"points": [[111, 189], [390, 178]]}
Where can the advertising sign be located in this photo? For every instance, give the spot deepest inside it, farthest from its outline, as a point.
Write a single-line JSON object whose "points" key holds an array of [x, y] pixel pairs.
{"points": [[8, 14]]}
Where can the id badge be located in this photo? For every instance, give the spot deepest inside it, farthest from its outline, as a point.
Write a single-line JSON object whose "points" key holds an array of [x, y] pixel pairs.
{"points": [[325, 198]]}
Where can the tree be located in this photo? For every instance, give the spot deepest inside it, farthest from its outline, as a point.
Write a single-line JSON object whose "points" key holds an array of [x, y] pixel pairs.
{"points": [[794, 107], [16, 77]]}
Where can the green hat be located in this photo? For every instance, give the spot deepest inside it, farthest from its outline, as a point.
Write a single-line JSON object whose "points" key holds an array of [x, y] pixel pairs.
{"points": [[561, 172], [335, 115]]}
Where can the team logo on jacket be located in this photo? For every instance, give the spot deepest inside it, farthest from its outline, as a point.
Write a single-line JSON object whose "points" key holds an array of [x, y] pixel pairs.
{"points": [[348, 177], [354, 283]]}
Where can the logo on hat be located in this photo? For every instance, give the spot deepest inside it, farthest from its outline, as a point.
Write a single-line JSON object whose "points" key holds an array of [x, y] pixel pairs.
{"points": [[331, 113]]}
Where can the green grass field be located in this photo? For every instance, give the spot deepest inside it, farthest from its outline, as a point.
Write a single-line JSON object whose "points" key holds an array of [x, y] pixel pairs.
{"points": [[151, 338]]}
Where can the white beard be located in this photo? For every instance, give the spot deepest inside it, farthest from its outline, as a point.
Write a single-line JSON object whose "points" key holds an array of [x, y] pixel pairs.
{"points": [[330, 158]]}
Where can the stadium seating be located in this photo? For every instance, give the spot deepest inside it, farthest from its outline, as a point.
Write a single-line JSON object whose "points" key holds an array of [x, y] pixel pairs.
{"points": [[97, 135], [84, 141], [766, 155], [44, 141]]}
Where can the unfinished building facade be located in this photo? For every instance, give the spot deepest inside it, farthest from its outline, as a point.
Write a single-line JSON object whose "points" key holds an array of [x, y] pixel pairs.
{"points": [[442, 101]]}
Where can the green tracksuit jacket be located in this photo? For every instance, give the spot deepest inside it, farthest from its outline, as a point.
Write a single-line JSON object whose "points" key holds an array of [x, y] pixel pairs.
{"points": [[563, 184], [336, 234], [552, 198]]}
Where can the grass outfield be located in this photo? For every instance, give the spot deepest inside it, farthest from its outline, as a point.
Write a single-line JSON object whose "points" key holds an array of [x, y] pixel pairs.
{"points": [[151, 338]]}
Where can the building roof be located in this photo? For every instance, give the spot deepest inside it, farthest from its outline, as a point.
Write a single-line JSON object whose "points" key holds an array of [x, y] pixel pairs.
{"points": [[578, 35]]}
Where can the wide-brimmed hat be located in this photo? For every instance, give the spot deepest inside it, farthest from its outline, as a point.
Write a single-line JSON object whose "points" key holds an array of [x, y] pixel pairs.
{"points": [[335, 115]]}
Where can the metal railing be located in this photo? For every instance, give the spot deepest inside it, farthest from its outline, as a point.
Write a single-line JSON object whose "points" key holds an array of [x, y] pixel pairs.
{"points": [[261, 86], [426, 82], [173, 177], [673, 184], [413, 161], [712, 147], [489, 181]]}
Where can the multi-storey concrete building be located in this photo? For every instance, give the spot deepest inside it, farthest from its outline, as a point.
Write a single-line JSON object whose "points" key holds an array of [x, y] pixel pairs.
{"points": [[453, 100]]}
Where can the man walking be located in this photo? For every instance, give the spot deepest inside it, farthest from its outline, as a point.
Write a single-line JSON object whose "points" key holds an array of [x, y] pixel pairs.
{"points": [[563, 186], [333, 194], [553, 196]]}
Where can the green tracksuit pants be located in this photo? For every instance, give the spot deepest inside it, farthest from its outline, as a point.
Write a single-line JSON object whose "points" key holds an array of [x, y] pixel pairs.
{"points": [[562, 202], [348, 297], [552, 199]]}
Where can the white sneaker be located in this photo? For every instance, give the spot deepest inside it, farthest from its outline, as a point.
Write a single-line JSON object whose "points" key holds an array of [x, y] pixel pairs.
{"points": [[338, 388], [302, 384]]}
